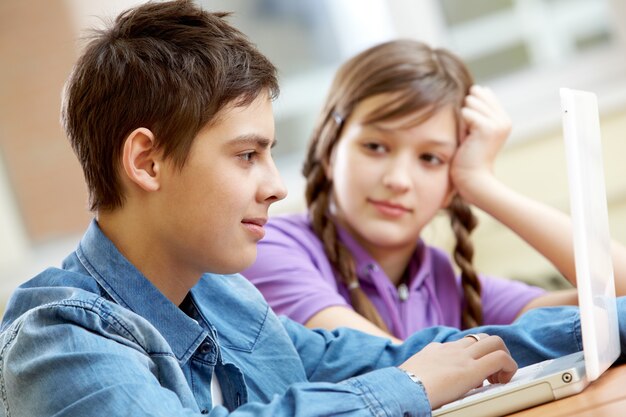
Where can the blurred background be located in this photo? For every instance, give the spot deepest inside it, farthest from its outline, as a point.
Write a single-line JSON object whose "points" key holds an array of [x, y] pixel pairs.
{"points": [[523, 49]]}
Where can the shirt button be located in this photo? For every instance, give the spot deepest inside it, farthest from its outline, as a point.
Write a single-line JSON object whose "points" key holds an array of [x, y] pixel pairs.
{"points": [[205, 348], [403, 292]]}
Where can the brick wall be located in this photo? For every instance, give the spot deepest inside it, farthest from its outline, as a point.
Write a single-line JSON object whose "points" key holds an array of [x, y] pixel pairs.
{"points": [[37, 49]]}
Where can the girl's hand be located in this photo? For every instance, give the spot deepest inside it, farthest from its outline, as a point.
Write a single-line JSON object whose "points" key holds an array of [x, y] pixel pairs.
{"points": [[485, 127], [449, 370]]}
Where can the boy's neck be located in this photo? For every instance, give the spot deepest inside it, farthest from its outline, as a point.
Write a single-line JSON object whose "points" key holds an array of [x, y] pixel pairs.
{"points": [[134, 238]]}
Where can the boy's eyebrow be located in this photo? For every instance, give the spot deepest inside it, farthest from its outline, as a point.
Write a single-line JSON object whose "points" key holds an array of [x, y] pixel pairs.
{"points": [[253, 140]]}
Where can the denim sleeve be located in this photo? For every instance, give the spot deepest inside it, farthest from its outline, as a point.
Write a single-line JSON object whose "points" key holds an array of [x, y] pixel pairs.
{"points": [[374, 387], [540, 334], [73, 359], [387, 392], [333, 356], [56, 361]]}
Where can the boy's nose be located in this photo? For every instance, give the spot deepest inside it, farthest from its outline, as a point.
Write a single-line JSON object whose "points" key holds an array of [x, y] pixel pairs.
{"points": [[281, 190], [276, 189]]}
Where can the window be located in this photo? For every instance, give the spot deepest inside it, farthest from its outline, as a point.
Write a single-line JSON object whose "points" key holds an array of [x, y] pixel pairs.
{"points": [[540, 45], [524, 49]]}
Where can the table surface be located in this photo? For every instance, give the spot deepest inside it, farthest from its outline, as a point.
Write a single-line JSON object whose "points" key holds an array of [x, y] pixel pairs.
{"points": [[605, 397]]}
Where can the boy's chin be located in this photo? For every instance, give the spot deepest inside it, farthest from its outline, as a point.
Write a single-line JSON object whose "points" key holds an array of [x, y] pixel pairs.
{"points": [[237, 266]]}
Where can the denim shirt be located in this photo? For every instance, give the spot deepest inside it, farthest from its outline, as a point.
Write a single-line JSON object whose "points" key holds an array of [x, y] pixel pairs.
{"points": [[96, 338]]}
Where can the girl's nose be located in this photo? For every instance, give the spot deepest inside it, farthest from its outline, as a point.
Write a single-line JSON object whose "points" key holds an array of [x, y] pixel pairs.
{"points": [[397, 177]]}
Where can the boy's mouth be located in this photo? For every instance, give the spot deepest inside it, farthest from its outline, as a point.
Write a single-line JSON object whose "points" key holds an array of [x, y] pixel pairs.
{"points": [[258, 221], [255, 227]]}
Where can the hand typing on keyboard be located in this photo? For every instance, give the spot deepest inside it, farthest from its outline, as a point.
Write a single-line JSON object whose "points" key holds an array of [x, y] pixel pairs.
{"points": [[521, 376], [449, 370]]}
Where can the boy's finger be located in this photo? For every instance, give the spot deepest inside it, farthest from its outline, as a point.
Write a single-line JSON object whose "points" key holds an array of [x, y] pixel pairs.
{"points": [[486, 345], [497, 366], [472, 339]]}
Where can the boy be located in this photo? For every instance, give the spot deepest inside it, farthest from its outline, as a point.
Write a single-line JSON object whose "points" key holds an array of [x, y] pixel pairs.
{"points": [[169, 112]]}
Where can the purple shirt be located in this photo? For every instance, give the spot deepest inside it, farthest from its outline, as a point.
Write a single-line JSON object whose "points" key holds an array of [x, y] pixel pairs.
{"points": [[295, 276]]}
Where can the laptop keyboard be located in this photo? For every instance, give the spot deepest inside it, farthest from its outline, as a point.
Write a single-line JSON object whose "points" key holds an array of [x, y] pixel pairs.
{"points": [[522, 376]]}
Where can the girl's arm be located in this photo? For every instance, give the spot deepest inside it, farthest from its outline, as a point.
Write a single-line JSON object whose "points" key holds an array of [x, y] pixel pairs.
{"points": [[546, 229], [333, 317]]}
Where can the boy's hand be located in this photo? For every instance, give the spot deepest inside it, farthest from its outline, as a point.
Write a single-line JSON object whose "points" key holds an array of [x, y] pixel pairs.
{"points": [[485, 127], [449, 370]]}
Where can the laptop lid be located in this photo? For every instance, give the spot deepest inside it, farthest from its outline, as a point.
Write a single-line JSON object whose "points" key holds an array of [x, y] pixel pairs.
{"points": [[568, 375], [590, 222]]}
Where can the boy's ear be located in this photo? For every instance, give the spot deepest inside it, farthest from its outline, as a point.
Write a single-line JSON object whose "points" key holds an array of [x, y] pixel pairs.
{"points": [[141, 160]]}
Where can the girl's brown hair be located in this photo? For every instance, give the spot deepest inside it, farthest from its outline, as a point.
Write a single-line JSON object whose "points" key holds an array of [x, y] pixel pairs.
{"points": [[419, 78]]}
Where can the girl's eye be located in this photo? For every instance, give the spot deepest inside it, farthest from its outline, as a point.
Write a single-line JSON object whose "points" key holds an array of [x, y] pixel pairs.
{"points": [[431, 159], [375, 147]]}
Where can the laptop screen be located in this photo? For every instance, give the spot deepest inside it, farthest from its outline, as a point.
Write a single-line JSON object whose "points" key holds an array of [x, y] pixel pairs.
{"points": [[592, 241]]}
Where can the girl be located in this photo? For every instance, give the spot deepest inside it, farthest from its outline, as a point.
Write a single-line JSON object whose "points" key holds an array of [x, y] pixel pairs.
{"points": [[404, 134]]}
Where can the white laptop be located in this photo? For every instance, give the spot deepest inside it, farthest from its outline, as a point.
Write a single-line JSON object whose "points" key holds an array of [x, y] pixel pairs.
{"points": [[568, 375]]}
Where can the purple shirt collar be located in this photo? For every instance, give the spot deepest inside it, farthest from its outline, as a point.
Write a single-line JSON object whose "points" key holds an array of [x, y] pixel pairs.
{"points": [[365, 263]]}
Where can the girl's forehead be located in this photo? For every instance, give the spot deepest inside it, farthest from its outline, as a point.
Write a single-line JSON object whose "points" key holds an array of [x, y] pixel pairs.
{"points": [[366, 117], [372, 104], [439, 129]]}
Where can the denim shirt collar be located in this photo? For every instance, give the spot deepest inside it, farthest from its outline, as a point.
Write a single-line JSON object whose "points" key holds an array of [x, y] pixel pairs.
{"points": [[127, 286]]}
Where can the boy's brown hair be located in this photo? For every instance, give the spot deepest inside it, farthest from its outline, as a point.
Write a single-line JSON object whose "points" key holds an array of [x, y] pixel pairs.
{"points": [[169, 67]]}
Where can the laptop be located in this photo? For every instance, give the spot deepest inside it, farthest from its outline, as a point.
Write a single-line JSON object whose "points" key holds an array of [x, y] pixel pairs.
{"points": [[557, 378]]}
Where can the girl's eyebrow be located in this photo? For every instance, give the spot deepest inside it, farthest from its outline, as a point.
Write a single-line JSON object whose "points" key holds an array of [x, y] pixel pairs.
{"points": [[429, 141], [443, 143]]}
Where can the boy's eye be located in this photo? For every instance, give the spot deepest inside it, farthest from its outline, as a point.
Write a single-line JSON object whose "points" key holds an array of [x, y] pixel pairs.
{"points": [[248, 156]]}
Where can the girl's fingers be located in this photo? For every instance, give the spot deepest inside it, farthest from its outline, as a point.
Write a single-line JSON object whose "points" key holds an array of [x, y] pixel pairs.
{"points": [[485, 94], [485, 101], [474, 118], [485, 125], [479, 105]]}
